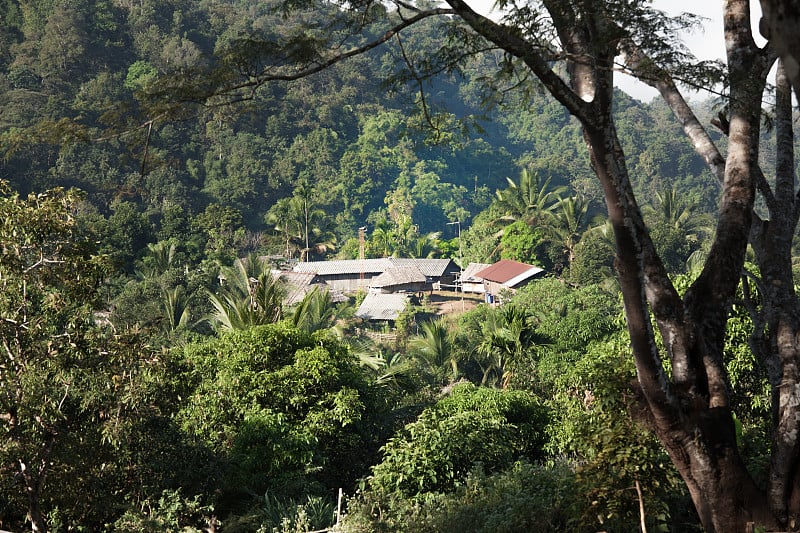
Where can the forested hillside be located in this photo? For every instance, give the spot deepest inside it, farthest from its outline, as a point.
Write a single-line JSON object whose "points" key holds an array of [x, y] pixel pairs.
{"points": [[72, 116], [154, 377]]}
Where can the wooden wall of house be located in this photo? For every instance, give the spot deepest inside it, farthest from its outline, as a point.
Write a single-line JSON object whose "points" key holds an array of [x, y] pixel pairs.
{"points": [[347, 283]]}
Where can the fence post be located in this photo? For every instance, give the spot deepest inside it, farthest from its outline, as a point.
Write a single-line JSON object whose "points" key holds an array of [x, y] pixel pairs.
{"points": [[339, 507]]}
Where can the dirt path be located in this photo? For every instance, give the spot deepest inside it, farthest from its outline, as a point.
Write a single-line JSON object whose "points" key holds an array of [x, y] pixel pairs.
{"points": [[449, 303]]}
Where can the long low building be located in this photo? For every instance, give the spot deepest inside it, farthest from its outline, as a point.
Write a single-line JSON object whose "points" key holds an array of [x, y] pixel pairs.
{"points": [[350, 275]]}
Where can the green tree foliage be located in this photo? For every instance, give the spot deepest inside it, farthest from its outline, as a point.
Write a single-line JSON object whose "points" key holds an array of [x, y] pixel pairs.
{"points": [[522, 497], [250, 295], [678, 231], [568, 319], [571, 219], [69, 386], [470, 426], [289, 412], [519, 243], [433, 349], [222, 230], [598, 420], [531, 200], [126, 234], [64, 43], [304, 226], [315, 311], [508, 337], [594, 257]]}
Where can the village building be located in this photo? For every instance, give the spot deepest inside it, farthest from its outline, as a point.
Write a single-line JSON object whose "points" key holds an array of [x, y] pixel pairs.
{"points": [[382, 307], [400, 279], [470, 282], [505, 276], [299, 284], [350, 275]]}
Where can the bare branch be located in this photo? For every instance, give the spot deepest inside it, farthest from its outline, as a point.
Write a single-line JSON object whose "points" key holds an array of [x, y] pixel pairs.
{"points": [[265, 76], [510, 41]]}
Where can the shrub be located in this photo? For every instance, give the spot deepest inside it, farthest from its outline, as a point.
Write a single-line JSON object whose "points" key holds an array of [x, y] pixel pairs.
{"points": [[523, 497]]}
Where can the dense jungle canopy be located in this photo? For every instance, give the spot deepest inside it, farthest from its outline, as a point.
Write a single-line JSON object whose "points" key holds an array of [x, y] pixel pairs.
{"points": [[163, 162]]}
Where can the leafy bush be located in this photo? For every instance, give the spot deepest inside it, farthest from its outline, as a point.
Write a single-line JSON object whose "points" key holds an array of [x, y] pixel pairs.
{"points": [[447, 456], [280, 515], [473, 426], [170, 513], [599, 424], [288, 412], [524, 497]]}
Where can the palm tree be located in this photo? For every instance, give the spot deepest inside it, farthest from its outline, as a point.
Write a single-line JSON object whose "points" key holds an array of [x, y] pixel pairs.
{"points": [[250, 295], [677, 230], [262, 305], [405, 234], [425, 246], [281, 217], [160, 259], [382, 239], [315, 311], [435, 350], [570, 221], [508, 334], [314, 232], [321, 238], [531, 200], [389, 369], [304, 225], [175, 305], [672, 210]]}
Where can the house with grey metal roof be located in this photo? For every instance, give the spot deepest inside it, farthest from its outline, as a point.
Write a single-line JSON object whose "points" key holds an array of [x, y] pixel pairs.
{"points": [[298, 284], [382, 307], [350, 275], [470, 282], [399, 279]]}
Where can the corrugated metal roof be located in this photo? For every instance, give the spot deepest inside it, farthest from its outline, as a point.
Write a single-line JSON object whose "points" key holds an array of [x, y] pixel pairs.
{"points": [[398, 276], [429, 267], [508, 272], [473, 268], [432, 268], [344, 266], [297, 284], [377, 306]]}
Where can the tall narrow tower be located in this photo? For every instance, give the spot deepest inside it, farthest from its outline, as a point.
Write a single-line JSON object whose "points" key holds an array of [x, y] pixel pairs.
{"points": [[362, 231]]}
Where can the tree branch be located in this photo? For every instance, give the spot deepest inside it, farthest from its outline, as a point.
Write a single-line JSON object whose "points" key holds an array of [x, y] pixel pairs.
{"points": [[510, 41], [265, 76], [653, 75]]}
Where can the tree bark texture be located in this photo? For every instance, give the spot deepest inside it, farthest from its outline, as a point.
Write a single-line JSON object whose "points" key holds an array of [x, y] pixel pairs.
{"points": [[780, 24], [776, 339]]}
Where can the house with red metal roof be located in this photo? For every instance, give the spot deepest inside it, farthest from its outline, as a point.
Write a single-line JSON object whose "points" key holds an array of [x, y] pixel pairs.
{"points": [[505, 276]]}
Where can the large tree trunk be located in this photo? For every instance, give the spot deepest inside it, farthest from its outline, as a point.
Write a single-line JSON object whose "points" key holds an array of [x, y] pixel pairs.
{"points": [[690, 413], [780, 24], [776, 337]]}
